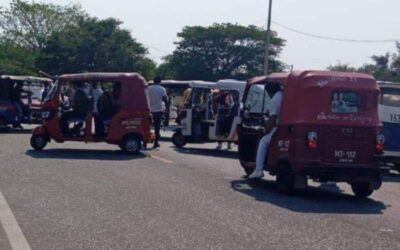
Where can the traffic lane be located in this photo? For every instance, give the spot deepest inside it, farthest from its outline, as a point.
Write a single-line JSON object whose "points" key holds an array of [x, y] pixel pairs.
{"points": [[4, 243], [79, 203], [378, 215]]}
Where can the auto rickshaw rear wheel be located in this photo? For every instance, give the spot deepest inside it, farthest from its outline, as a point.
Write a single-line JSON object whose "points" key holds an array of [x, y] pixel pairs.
{"points": [[285, 179], [131, 144], [178, 139], [362, 189], [38, 142]]}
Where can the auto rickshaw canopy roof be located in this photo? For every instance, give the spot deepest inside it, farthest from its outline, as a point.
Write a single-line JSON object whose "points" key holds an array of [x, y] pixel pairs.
{"points": [[392, 85], [203, 84], [231, 84], [26, 78], [133, 97], [308, 96]]}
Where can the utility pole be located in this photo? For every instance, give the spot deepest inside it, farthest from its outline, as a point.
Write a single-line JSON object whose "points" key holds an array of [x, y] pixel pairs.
{"points": [[268, 43]]}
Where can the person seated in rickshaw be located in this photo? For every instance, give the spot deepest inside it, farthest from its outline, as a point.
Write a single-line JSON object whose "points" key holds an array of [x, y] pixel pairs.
{"points": [[224, 104], [80, 108], [22, 109], [107, 107], [275, 93]]}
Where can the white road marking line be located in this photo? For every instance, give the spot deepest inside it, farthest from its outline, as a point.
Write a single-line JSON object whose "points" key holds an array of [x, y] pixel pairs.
{"points": [[13, 231], [161, 159]]}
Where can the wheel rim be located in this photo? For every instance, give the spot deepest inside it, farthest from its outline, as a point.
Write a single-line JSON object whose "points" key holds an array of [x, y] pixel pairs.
{"points": [[132, 145], [40, 141]]}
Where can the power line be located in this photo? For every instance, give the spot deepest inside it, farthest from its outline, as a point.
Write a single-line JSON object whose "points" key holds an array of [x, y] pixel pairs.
{"points": [[335, 38]]}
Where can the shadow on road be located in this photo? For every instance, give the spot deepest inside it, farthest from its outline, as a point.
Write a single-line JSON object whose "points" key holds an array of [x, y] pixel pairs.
{"points": [[208, 152], [15, 131], [310, 200], [84, 154]]}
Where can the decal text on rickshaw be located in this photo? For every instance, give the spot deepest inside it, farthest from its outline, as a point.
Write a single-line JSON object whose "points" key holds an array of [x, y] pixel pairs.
{"points": [[395, 118], [353, 118], [323, 83], [132, 122]]}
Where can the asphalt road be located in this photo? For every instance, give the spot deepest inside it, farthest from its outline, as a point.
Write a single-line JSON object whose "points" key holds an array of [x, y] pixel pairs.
{"points": [[90, 196]]}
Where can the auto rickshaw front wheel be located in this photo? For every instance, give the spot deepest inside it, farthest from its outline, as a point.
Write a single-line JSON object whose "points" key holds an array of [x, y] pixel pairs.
{"points": [[362, 189], [178, 139], [131, 144], [38, 142]]}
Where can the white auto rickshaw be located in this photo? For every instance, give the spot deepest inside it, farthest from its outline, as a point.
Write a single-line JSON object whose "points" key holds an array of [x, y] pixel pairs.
{"points": [[212, 113]]}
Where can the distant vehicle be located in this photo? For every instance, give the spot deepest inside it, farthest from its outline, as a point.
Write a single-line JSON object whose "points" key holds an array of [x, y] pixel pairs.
{"points": [[328, 130], [123, 116], [204, 119], [389, 112], [29, 104], [175, 91]]}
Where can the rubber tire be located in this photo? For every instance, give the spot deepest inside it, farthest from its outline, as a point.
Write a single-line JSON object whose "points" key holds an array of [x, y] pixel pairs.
{"points": [[285, 182], [38, 142], [361, 190], [126, 147], [178, 139]]}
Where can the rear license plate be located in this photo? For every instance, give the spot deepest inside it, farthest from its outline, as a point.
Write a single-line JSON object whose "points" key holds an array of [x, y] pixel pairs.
{"points": [[344, 156]]}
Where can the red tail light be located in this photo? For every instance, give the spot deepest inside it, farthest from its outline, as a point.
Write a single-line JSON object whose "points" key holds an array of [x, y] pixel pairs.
{"points": [[380, 143], [312, 140]]}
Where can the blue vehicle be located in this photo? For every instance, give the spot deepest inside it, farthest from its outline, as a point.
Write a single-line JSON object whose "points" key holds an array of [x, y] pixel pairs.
{"points": [[20, 99], [389, 112]]}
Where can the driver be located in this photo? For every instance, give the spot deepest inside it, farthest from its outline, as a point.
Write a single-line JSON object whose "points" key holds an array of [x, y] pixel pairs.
{"points": [[275, 93], [80, 106]]}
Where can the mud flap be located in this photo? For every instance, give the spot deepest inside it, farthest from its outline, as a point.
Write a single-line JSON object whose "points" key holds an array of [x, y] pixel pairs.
{"points": [[300, 181]]}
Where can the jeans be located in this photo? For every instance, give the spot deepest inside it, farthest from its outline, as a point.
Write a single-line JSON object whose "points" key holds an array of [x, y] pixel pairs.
{"points": [[157, 118], [262, 151]]}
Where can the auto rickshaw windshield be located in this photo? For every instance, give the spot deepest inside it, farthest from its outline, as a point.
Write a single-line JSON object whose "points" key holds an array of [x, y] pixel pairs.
{"points": [[257, 100], [52, 92]]}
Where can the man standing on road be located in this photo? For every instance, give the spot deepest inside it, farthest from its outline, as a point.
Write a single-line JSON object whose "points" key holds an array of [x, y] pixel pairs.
{"points": [[275, 93], [157, 95]]}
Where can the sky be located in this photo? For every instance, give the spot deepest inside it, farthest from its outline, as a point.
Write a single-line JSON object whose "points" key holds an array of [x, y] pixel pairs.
{"points": [[155, 23]]}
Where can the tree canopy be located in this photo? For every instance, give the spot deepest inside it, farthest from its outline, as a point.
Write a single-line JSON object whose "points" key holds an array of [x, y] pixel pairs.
{"points": [[65, 39], [94, 45], [221, 51], [31, 24], [384, 67]]}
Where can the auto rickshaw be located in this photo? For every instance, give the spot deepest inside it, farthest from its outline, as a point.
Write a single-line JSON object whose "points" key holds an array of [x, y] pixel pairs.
{"points": [[389, 112], [203, 119], [27, 108], [175, 91], [122, 112], [328, 130]]}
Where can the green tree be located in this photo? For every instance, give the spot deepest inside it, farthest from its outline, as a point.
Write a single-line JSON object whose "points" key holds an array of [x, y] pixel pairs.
{"points": [[342, 67], [30, 24], [95, 45], [16, 60], [221, 51], [383, 67]]}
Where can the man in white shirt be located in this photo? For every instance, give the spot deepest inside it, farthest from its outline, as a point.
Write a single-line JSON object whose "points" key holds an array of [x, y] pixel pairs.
{"points": [[158, 104], [275, 93]]}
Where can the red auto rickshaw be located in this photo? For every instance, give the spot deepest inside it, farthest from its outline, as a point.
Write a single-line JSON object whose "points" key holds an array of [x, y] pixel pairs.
{"points": [[328, 130], [122, 111]]}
